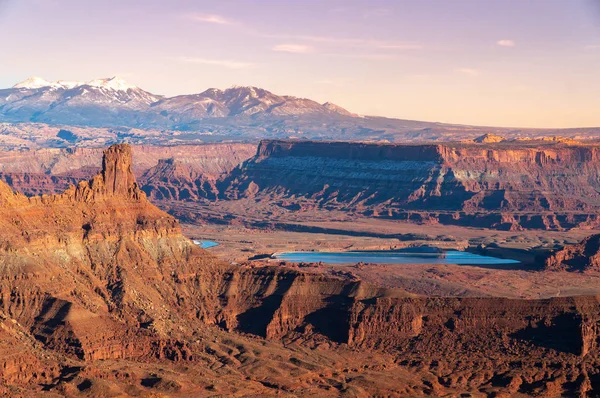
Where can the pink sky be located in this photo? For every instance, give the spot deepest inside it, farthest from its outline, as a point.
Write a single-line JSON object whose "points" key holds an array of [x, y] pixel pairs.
{"points": [[526, 63]]}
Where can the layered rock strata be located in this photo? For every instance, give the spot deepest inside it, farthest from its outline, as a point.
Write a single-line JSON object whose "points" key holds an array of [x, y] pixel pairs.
{"points": [[583, 256], [505, 185], [184, 172], [98, 276]]}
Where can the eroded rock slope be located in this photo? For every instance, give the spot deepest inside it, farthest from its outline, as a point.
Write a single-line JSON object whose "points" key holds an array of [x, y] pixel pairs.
{"points": [[504, 185], [101, 294], [182, 172]]}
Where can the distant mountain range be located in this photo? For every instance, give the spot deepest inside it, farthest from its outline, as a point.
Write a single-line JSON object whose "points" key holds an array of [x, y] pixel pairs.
{"points": [[245, 113], [113, 102]]}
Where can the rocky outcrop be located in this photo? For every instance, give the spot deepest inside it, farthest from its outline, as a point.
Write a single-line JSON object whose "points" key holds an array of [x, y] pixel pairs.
{"points": [[83, 163], [194, 176], [171, 179], [506, 185], [184, 172], [284, 304], [116, 181], [90, 273], [583, 256], [38, 184], [488, 138]]}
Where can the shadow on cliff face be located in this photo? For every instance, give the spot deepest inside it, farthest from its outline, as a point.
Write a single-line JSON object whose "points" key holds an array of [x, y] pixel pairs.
{"points": [[556, 333], [327, 316], [50, 327], [331, 321], [256, 320]]}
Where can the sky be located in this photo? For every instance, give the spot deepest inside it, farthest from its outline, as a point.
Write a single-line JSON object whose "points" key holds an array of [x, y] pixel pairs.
{"points": [[515, 63]]}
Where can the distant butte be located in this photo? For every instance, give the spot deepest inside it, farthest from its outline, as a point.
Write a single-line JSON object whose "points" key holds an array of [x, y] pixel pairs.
{"points": [[507, 185], [488, 138]]}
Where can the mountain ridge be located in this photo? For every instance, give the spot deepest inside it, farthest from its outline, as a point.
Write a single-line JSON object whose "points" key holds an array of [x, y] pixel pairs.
{"points": [[246, 100], [238, 113]]}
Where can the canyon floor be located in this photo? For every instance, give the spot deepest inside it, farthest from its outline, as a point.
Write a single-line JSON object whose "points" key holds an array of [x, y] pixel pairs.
{"points": [[239, 244]]}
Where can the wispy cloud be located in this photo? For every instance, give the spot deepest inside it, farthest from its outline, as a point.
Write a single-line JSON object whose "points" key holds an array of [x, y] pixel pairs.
{"points": [[342, 41], [397, 46], [353, 42], [217, 62], [365, 56], [211, 18], [506, 43], [304, 42], [468, 71], [592, 47], [294, 48]]}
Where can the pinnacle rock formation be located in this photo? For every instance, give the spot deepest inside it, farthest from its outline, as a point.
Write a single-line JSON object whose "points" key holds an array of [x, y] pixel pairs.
{"points": [[117, 179], [85, 271]]}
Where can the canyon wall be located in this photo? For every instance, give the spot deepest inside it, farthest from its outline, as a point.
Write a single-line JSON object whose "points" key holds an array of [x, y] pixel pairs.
{"points": [[284, 304], [90, 272], [504, 185], [581, 257], [182, 172], [508, 185], [98, 273]]}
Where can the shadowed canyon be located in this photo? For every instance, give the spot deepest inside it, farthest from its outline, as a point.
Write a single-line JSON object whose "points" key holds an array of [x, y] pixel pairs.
{"points": [[102, 294]]}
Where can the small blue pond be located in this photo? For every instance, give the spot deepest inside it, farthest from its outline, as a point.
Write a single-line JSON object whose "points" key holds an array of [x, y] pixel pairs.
{"points": [[206, 244], [392, 257]]}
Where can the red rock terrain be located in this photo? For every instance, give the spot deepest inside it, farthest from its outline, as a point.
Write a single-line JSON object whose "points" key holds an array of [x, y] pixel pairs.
{"points": [[499, 184], [174, 172], [502, 185], [584, 256], [101, 295]]}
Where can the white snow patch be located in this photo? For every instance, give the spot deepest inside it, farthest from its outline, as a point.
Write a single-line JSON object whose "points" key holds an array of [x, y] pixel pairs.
{"points": [[112, 83]]}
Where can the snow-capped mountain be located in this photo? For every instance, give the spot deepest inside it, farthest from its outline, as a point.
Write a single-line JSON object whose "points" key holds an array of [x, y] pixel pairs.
{"points": [[113, 83], [241, 100], [38, 82], [114, 102], [100, 102], [110, 91]]}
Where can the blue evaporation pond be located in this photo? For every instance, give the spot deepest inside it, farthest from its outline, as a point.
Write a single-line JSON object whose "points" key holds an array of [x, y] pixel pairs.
{"points": [[391, 257], [206, 244]]}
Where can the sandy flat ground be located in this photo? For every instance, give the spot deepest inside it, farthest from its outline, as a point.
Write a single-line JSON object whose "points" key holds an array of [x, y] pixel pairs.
{"points": [[237, 244]]}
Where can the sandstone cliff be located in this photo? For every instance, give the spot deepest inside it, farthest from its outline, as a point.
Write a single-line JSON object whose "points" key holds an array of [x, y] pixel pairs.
{"points": [[505, 185], [172, 179], [183, 172], [584, 256], [91, 272], [37, 184], [99, 286]]}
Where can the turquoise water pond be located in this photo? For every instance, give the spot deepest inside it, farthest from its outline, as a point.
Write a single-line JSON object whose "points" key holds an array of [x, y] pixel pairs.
{"points": [[206, 244], [393, 257]]}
